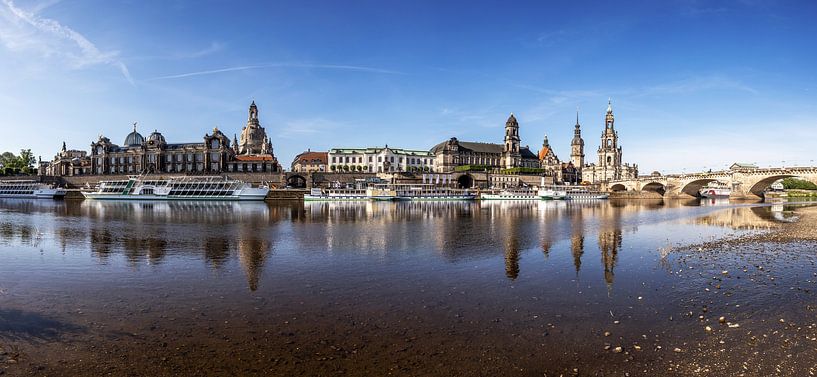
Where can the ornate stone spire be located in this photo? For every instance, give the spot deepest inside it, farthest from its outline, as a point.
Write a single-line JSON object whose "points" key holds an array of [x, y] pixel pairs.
{"points": [[609, 105], [253, 136]]}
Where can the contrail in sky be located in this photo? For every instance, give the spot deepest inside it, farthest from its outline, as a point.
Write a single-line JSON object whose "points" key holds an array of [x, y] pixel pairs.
{"points": [[272, 65]]}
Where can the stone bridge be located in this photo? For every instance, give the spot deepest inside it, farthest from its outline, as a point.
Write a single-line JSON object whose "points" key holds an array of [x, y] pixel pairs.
{"points": [[745, 183]]}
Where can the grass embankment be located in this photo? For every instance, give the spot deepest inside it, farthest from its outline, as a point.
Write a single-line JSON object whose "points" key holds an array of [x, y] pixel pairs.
{"points": [[802, 193]]}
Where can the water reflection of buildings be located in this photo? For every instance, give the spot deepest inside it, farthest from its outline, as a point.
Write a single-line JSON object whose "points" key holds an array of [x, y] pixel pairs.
{"points": [[146, 233], [749, 218], [149, 232]]}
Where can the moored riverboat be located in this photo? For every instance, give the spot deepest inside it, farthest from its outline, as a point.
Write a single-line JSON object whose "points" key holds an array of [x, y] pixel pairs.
{"points": [[510, 194], [342, 194], [177, 188], [552, 193], [581, 193], [431, 192], [28, 189], [715, 190]]}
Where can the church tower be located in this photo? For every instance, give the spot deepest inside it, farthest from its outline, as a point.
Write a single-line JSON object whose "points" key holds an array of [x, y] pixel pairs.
{"points": [[609, 151], [253, 137], [577, 145], [511, 150]]}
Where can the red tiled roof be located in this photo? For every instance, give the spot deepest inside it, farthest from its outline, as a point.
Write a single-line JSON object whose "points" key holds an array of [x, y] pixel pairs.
{"points": [[543, 153], [308, 157]]}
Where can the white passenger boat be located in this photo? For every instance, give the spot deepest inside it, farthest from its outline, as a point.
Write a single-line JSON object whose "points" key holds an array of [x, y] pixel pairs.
{"points": [[511, 195], [431, 192], [580, 193], [381, 192], [715, 190], [552, 193], [29, 189], [177, 188], [345, 194]]}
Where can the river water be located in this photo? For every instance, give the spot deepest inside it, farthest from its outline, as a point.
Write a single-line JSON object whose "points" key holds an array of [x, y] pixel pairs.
{"points": [[449, 288]]}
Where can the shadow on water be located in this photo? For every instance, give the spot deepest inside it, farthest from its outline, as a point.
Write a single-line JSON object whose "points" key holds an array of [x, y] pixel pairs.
{"points": [[30, 326]]}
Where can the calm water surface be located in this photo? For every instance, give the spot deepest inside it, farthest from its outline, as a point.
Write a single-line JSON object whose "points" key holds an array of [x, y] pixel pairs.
{"points": [[359, 288]]}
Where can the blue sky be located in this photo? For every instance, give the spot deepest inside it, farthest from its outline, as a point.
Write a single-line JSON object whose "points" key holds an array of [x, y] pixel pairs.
{"points": [[695, 84]]}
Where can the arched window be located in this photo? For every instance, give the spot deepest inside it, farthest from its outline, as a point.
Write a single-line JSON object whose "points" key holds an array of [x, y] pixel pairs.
{"points": [[609, 160]]}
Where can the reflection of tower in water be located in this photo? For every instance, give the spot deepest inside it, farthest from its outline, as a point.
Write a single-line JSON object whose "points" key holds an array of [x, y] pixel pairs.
{"points": [[512, 257], [577, 238], [609, 245], [577, 249], [252, 253], [216, 250]]}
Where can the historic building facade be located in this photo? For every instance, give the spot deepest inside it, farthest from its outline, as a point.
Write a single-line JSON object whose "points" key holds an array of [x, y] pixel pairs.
{"points": [[452, 153], [549, 161], [380, 160], [309, 161], [153, 154], [66, 163], [609, 165]]}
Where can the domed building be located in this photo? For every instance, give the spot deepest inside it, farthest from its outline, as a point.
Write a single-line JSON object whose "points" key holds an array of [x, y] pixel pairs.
{"points": [[137, 155], [134, 138]]}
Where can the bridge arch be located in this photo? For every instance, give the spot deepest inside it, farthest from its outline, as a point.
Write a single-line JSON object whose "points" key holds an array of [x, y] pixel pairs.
{"points": [[760, 186], [296, 181], [465, 181], [618, 187], [694, 188], [655, 187]]}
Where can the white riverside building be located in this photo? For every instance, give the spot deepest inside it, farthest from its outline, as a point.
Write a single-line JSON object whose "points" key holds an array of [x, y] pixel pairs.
{"points": [[380, 160]]}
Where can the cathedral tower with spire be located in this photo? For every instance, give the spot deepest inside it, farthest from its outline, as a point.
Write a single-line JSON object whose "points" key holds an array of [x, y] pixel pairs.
{"points": [[609, 151], [577, 145], [609, 166]]}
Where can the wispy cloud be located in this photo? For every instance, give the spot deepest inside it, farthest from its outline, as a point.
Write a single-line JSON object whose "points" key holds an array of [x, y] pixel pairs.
{"points": [[315, 128], [278, 65], [697, 84], [49, 37], [213, 48], [553, 36]]}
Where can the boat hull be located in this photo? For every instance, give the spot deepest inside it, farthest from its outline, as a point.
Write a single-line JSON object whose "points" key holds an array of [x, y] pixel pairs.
{"points": [[715, 193], [439, 198], [327, 198], [508, 197], [587, 197], [249, 197], [38, 194]]}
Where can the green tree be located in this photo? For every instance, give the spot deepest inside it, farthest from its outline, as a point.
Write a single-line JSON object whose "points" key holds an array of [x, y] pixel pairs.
{"points": [[798, 184], [8, 159], [26, 160]]}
